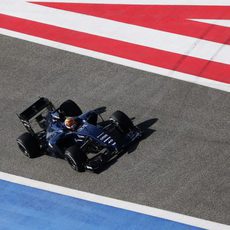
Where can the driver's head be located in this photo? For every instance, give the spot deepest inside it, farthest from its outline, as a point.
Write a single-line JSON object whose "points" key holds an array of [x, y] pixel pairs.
{"points": [[71, 123]]}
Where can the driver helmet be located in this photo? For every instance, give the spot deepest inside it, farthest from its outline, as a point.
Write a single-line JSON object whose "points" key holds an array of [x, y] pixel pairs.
{"points": [[71, 123]]}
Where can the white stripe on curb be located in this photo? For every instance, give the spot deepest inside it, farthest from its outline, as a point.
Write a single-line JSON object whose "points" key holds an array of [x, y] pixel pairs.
{"points": [[114, 202], [219, 22], [147, 2], [138, 35]]}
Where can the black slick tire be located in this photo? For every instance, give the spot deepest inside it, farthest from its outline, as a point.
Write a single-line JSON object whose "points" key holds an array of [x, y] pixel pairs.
{"points": [[122, 121], [70, 109], [28, 144], [76, 158]]}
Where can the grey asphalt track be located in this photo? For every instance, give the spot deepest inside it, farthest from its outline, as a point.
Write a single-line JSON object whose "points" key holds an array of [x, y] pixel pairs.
{"points": [[183, 163]]}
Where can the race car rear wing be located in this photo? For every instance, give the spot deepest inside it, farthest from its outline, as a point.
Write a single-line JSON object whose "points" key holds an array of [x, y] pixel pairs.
{"points": [[34, 111]]}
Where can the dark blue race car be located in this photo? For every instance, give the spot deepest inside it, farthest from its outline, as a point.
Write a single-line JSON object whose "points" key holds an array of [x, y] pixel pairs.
{"points": [[87, 144]]}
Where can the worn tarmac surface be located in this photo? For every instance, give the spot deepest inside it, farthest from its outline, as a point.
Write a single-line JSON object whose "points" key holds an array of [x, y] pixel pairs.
{"points": [[182, 165]]}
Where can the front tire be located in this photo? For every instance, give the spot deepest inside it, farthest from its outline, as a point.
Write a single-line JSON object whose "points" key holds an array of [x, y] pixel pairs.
{"points": [[76, 158], [28, 144], [122, 121], [70, 109]]}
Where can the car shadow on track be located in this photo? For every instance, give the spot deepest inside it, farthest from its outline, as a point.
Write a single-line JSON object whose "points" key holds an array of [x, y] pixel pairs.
{"points": [[146, 132]]}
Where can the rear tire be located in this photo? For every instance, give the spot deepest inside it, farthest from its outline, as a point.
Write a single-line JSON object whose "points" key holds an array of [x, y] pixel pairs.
{"points": [[28, 144], [70, 109], [122, 121], [76, 158]]}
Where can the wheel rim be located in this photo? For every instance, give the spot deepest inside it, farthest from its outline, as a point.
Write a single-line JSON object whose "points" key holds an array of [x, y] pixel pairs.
{"points": [[23, 149], [121, 127], [71, 162]]}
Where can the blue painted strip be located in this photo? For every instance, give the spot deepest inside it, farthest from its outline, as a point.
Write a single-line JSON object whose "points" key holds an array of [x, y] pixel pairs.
{"points": [[23, 207]]}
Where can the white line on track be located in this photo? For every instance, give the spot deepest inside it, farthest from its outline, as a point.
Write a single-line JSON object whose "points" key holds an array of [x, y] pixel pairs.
{"points": [[114, 202], [148, 2], [138, 35], [121, 61]]}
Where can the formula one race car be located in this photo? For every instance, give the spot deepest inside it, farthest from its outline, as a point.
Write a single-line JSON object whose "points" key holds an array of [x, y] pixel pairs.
{"points": [[77, 137]]}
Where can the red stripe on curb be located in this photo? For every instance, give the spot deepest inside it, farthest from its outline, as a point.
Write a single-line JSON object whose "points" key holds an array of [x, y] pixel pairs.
{"points": [[174, 19], [172, 61]]}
